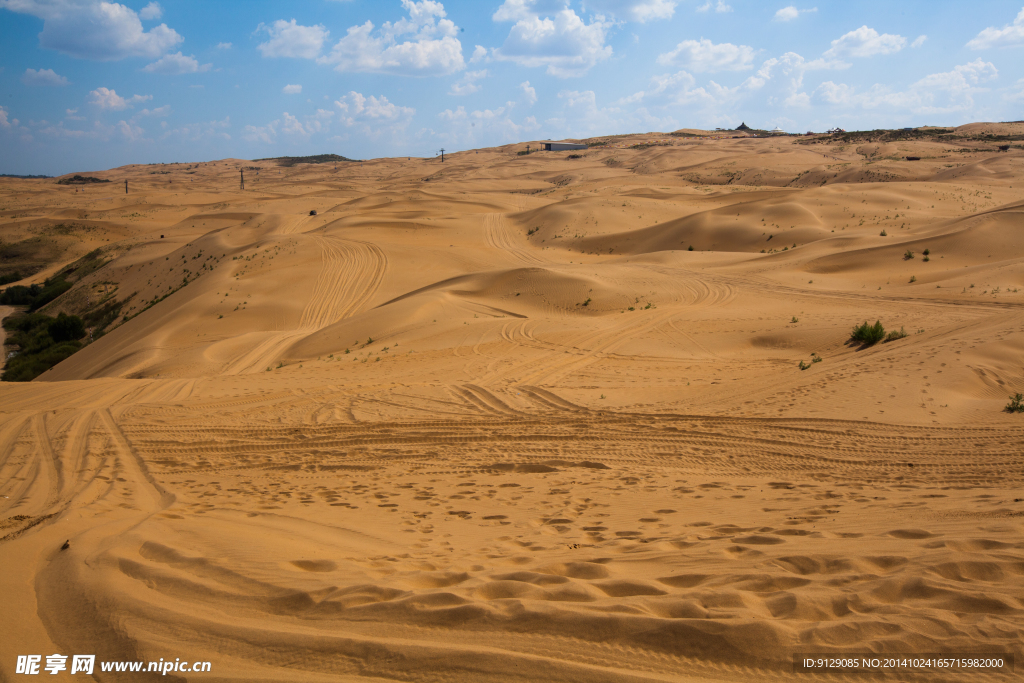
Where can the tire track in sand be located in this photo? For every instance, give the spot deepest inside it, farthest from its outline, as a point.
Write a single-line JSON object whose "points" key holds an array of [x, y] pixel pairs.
{"points": [[350, 274], [500, 236]]}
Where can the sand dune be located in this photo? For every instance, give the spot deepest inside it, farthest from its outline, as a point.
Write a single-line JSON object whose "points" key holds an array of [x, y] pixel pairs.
{"points": [[496, 420]]}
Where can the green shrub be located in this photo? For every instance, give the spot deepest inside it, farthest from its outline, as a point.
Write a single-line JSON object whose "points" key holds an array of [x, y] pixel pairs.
{"points": [[38, 351], [894, 335], [868, 334], [66, 328], [907, 255], [1016, 404]]}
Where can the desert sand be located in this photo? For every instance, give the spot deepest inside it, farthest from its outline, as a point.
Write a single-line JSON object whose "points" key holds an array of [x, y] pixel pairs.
{"points": [[495, 420]]}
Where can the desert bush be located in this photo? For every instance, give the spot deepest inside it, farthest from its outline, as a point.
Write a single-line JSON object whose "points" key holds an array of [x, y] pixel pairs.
{"points": [[907, 255], [1016, 404], [868, 334], [894, 335]]}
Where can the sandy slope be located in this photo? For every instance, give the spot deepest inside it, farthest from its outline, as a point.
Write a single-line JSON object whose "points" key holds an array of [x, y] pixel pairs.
{"points": [[495, 421]]}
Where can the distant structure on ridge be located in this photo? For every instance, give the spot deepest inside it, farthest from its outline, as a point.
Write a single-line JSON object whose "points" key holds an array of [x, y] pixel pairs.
{"points": [[560, 146], [743, 126]]}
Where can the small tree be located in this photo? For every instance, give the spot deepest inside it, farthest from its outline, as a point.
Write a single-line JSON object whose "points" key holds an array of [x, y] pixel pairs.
{"points": [[66, 328], [868, 334]]}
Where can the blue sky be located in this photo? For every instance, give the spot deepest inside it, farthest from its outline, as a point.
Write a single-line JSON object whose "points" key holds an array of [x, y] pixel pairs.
{"points": [[88, 85]]}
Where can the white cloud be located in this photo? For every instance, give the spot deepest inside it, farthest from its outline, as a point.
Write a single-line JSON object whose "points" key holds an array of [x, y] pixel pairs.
{"points": [[195, 132], [939, 93], [291, 89], [290, 39], [42, 77], [919, 41], [516, 10], [1011, 34], [581, 116], [223, 46], [110, 100], [703, 55], [719, 6], [129, 131], [357, 108], [267, 133], [564, 44], [494, 126], [4, 121], [790, 13], [787, 13], [309, 125], [176, 64], [92, 29], [479, 52], [467, 84], [865, 42], [157, 112], [1017, 94], [634, 10], [151, 11], [72, 115], [529, 91], [431, 49]]}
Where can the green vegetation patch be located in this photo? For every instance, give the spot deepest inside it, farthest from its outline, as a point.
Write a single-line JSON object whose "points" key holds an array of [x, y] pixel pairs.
{"points": [[868, 334], [315, 159], [80, 180], [41, 343]]}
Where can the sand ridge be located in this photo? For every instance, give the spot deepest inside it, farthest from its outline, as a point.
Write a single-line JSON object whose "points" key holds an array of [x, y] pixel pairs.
{"points": [[496, 420]]}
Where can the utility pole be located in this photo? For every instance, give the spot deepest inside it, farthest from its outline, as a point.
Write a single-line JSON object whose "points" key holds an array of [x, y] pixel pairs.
{"points": [[442, 155], [242, 172], [126, 186]]}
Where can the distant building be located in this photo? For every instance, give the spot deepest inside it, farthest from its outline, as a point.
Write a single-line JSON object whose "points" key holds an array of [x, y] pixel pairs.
{"points": [[777, 131], [561, 146]]}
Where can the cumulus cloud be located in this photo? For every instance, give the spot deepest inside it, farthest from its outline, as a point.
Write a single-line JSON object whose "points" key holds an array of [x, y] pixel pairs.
{"points": [[291, 89], [1011, 34], [790, 13], [429, 48], [151, 11], [357, 108], [919, 41], [719, 6], [176, 64], [467, 85], [564, 43], [92, 29], [529, 91], [5, 121], [110, 100], [290, 39], [865, 42], [938, 93], [43, 77], [633, 10], [703, 55], [157, 112], [479, 52], [267, 133], [130, 131]]}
